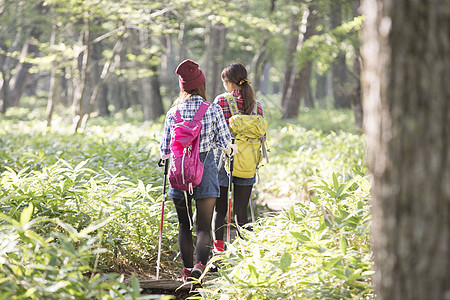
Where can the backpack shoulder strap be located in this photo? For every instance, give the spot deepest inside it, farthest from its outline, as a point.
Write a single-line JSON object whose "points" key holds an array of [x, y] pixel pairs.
{"points": [[201, 111], [232, 104], [177, 116]]}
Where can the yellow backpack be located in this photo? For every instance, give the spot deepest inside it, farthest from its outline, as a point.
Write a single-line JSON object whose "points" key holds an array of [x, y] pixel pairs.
{"points": [[249, 134]]}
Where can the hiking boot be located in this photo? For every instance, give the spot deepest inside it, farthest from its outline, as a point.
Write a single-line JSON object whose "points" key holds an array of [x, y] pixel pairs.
{"points": [[186, 274], [198, 270]]}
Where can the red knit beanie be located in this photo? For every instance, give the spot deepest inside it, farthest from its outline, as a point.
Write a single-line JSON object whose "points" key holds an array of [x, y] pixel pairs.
{"points": [[190, 75]]}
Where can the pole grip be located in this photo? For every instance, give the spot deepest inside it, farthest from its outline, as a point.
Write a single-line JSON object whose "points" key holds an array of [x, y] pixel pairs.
{"points": [[165, 163]]}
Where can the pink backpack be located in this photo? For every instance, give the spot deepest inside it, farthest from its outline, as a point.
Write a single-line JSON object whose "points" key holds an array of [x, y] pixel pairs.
{"points": [[186, 169]]}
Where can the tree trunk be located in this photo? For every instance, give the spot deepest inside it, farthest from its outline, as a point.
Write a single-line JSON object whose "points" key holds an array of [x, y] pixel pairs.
{"points": [[264, 86], [53, 84], [114, 91], [258, 64], [355, 97], [103, 102], [208, 52], [321, 91], [260, 58], [101, 80], [405, 77], [218, 54], [19, 80], [290, 52], [300, 83], [356, 100], [80, 80], [155, 98], [150, 87], [168, 67], [181, 46], [4, 93], [339, 66], [308, 97]]}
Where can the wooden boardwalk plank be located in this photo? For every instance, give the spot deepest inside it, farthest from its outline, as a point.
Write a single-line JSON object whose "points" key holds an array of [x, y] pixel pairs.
{"points": [[163, 284]]}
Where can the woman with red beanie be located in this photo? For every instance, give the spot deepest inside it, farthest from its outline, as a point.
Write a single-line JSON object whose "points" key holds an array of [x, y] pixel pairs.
{"points": [[235, 81], [214, 134]]}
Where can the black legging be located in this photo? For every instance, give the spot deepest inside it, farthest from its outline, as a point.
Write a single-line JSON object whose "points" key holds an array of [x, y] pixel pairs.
{"points": [[241, 195], [205, 208]]}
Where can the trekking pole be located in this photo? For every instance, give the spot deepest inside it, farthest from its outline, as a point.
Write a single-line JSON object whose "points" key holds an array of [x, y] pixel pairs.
{"points": [[166, 168], [230, 181], [252, 210]]}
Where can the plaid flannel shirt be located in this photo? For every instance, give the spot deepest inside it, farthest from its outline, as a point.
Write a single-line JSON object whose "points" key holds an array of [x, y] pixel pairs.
{"points": [[214, 134], [237, 94]]}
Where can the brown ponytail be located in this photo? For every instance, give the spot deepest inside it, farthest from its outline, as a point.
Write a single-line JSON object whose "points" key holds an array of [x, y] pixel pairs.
{"points": [[237, 74]]}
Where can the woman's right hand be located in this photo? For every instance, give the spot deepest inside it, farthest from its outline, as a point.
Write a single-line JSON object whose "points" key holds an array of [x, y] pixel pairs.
{"points": [[232, 150]]}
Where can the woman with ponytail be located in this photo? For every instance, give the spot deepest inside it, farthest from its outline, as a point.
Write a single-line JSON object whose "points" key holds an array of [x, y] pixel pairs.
{"points": [[235, 81]]}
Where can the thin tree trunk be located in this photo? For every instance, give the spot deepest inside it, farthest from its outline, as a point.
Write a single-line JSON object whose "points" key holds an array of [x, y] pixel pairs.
{"points": [[150, 87], [144, 87], [290, 51], [264, 86], [51, 93], [339, 66], [156, 98], [406, 75], [103, 77], [308, 97], [259, 60], [258, 63], [8, 63], [208, 55], [114, 88], [300, 82], [19, 80], [356, 99], [80, 81], [181, 46], [4, 93], [103, 102], [218, 58], [321, 87], [168, 68]]}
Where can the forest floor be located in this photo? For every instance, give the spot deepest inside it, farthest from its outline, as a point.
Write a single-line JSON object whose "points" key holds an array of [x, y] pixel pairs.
{"points": [[170, 283]]}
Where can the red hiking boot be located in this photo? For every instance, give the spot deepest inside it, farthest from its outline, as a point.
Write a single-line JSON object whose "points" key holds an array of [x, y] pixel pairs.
{"points": [[198, 269], [186, 274]]}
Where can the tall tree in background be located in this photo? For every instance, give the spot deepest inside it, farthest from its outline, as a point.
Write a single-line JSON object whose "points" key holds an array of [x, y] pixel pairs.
{"points": [[299, 83], [261, 56], [21, 29], [295, 21], [339, 66], [406, 75]]}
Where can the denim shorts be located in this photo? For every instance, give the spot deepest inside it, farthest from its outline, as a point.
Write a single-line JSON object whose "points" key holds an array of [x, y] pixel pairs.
{"points": [[224, 180], [208, 187]]}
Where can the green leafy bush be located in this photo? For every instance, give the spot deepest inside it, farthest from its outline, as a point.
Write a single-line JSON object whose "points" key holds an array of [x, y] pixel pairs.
{"points": [[316, 250], [298, 156], [55, 265], [109, 171]]}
